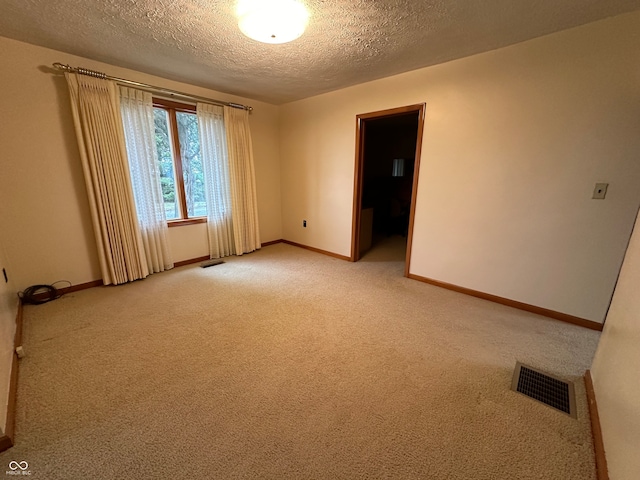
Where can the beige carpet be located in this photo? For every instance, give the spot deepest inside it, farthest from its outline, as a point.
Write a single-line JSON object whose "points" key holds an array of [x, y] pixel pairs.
{"points": [[289, 364]]}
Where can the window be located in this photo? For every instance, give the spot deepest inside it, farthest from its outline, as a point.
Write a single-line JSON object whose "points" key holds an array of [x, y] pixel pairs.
{"points": [[181, 175]]}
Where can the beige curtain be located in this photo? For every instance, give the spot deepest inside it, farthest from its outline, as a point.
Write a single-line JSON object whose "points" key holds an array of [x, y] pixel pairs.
{"points": [[144, 169], [95, 107], [215, 166], [244, 204]]}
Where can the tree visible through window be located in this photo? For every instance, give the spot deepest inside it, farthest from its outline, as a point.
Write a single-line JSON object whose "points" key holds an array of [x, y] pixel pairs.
{"points": [[178, 147], [191, 164]]}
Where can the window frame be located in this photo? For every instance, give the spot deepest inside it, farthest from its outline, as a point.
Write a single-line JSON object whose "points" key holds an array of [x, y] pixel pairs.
{"points": [[171, 107]]}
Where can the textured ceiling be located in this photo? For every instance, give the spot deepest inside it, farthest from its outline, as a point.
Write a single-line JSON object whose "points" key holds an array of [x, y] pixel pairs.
{"points": [[347, 42]]}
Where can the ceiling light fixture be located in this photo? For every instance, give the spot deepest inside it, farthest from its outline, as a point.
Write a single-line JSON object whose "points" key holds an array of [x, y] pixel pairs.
{"points": [[272, 21]]}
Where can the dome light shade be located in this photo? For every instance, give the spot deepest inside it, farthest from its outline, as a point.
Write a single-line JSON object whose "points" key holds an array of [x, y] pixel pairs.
{"points": [[272, 21]]}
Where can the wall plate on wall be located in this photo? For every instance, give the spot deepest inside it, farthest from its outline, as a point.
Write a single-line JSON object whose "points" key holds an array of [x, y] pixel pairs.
{"points": [[600, 191]]}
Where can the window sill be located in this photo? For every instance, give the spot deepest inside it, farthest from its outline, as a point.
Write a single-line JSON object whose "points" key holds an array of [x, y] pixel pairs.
{"points": [[186, 221]]}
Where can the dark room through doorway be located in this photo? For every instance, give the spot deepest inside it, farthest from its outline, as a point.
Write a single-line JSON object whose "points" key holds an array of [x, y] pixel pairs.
{"points": [[387, 173]]}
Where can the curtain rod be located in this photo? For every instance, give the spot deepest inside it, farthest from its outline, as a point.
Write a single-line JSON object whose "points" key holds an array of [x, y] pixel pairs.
{"points": [[145, 86]]}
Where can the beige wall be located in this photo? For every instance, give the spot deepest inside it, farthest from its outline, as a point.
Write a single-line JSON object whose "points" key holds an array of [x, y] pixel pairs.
{"points": [[514, 141], [616, 370], [8, 310], [44, 208]]}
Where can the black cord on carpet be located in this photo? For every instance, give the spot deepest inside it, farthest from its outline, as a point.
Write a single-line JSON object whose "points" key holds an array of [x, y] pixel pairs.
{"points": [[39, 294]]}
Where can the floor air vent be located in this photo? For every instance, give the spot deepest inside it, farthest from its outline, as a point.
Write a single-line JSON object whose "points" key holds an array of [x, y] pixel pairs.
{"points": [[211, 263], [544, 388]]}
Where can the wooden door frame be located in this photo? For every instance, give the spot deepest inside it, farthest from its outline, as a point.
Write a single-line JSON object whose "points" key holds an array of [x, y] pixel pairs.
{"points": [[359, 172]]}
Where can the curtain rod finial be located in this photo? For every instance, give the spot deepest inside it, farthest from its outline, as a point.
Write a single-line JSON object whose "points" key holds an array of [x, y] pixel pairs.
{"points": [[63, 67]]}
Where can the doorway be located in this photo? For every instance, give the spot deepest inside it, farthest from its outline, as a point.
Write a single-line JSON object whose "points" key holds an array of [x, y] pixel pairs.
{"points": [[388, 145]]}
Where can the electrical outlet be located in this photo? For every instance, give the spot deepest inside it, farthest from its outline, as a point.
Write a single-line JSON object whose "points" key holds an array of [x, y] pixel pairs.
{"points": [[304, 223], [600, 191]]}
